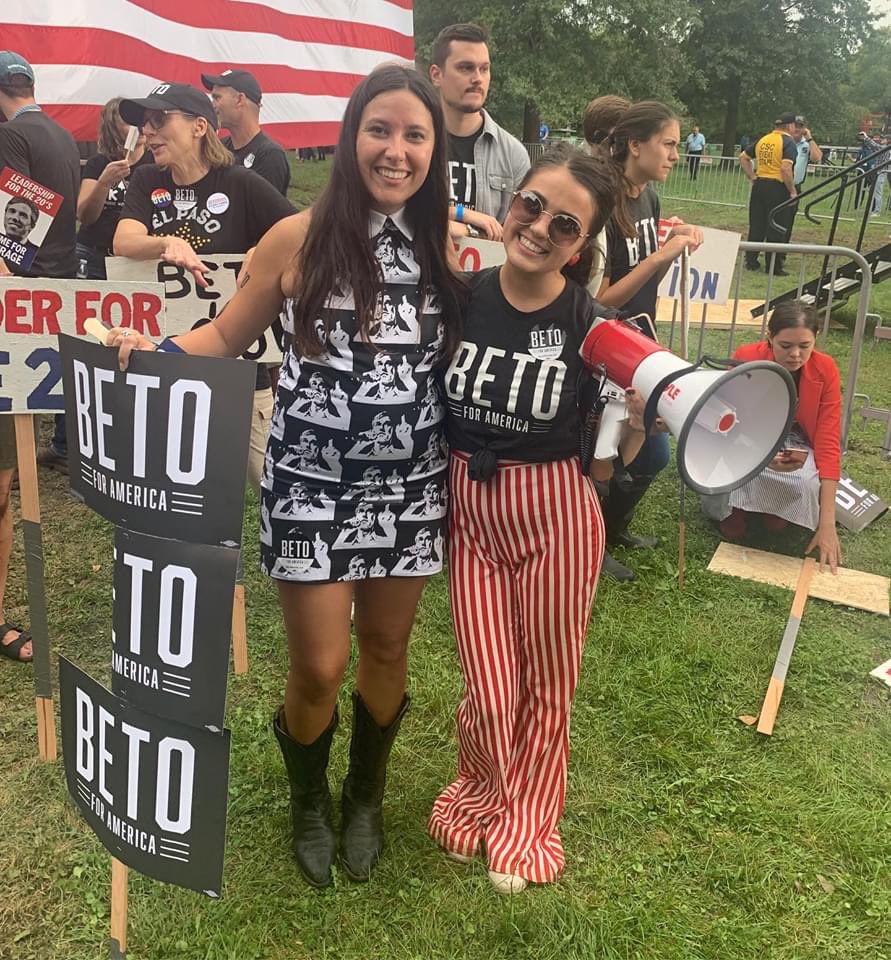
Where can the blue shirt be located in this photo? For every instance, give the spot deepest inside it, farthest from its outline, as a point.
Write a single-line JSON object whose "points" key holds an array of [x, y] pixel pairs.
{"points": [[695, 142], [802, 160]]}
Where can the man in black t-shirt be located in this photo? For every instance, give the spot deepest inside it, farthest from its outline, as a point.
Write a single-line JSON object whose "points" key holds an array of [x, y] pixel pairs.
{"points": [[236, 97]]}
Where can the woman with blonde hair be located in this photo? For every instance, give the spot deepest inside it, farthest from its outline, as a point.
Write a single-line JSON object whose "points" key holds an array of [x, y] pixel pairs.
{"points": [[193, 202]]}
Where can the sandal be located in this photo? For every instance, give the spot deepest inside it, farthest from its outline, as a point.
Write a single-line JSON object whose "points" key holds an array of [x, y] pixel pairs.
{"points": [[12, 649]]}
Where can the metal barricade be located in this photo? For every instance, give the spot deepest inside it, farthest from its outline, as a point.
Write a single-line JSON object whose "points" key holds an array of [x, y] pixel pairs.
{"points": [[789, 250]]}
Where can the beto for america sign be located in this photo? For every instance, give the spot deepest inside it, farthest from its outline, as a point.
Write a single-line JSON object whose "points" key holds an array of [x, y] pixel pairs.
{"points": [[160, 448], [153, 791]]}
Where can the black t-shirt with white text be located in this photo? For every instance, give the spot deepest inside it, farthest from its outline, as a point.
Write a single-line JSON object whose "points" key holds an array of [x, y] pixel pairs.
{"points": [[36, 146], [462, 169], [513, 383], [264, 156], [227, 211], [100, 232], [625, 253]]}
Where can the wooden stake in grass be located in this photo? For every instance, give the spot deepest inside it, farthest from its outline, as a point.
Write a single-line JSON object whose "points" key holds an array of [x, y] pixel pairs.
{"points": [[33, 537], [682, 535], [239, 631], [778, 678], [118, 942]]}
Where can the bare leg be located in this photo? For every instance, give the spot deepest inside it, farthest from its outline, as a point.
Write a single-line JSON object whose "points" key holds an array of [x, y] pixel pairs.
{"points": [[317, 621], [385, 612], [5, 553]]}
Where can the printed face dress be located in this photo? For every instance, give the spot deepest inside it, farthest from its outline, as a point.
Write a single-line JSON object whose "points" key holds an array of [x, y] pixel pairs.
{"points": [[354, 483]]}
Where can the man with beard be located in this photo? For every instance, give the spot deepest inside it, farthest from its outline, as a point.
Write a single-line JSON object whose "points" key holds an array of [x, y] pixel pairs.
{"points": [[485, 162]]}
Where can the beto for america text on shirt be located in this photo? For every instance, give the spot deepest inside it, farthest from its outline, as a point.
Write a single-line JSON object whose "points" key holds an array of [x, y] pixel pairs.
{"points": [[160, 448]]}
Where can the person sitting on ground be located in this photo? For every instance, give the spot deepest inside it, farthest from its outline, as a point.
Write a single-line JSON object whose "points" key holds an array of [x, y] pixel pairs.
{"points": [[799, 484]]}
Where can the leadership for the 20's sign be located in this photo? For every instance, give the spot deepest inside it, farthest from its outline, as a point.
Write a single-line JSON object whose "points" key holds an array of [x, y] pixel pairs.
{"points": [[172, 622], [153, 791], [160, 448]]}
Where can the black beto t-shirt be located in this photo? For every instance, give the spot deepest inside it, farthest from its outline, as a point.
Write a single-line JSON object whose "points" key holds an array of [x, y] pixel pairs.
{"points": [[625, 253], [462, 169], [36, 146], [100, 232], [226, 211], [266, 157], [513, 383]]}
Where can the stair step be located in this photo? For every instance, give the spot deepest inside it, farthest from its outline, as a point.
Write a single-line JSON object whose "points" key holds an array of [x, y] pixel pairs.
{"points": [[842, 283], [881, 267]]}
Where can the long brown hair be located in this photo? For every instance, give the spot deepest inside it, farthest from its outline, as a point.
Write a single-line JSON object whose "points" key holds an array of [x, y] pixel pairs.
{"points": [[337, 253], [110, 141], [599, 177], [601, 116], [639, 122]]}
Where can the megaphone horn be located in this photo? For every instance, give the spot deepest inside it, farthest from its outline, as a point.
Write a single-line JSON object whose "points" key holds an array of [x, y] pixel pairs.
{"points": [[729, 424]]}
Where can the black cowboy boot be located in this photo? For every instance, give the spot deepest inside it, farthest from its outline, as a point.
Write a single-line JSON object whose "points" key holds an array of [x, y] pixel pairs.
{"points": [[362, 822], [314, 841]]}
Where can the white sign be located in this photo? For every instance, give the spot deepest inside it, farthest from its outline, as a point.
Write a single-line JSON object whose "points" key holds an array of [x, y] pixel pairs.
{"points": [[711, 269], [475, 255], [190, 305], [34, 312]]}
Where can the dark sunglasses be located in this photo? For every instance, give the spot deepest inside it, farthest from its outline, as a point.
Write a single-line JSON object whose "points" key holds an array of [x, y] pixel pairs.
{"points": [[158, 118], [563, 230]]}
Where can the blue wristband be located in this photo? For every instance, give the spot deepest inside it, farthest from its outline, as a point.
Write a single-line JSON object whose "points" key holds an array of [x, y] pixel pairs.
{"points": [[459, 213], [170, 346]]}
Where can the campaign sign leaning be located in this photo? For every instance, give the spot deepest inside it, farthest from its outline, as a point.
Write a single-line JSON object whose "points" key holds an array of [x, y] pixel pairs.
{"points": [[189, 305], [160, 448], [34, 312], [172, 622], [153, 791], [711, 269], [855, 507]]}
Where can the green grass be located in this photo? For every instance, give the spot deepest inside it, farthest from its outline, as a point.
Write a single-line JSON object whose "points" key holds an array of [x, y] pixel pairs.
{"points": [[688, 836]]}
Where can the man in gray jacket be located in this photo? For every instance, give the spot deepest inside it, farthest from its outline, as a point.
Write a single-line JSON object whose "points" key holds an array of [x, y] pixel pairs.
{"points": [[485, 162]]}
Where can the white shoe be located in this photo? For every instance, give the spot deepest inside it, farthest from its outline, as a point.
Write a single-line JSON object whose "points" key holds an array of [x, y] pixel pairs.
{"points": [[457, 857], [507, 883]]}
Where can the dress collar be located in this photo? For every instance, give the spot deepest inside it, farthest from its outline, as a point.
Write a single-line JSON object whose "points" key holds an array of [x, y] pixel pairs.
{"points": [[377, 220]]}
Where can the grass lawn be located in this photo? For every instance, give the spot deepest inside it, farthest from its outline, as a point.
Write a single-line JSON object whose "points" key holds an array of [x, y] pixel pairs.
{"points": [[688, 836]]}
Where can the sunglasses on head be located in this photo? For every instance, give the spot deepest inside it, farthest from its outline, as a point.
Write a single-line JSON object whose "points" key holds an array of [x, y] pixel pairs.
{"points": [[158, 118], [563, 230]]}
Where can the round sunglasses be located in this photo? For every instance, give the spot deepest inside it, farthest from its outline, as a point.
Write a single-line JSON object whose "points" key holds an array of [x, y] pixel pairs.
{"points": [[563, 230]]}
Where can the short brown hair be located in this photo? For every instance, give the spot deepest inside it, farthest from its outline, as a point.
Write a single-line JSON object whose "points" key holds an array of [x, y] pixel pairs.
{"points": [[18, 87], [601, 116], [110, 141], [467, 32]]}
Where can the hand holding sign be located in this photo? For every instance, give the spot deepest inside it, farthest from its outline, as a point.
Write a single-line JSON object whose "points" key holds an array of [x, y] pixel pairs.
{"points": [[691, 233], [126, 341]]}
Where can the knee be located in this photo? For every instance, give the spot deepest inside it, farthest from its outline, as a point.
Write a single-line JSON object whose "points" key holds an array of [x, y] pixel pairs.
{"points": [[317, 681], [386, 649]]}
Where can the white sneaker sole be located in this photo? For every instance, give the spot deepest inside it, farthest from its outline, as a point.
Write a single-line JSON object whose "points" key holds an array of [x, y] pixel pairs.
{"points": [[507, 883]]}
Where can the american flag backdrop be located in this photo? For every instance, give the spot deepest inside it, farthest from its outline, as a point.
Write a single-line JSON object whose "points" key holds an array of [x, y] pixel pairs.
{"points": [[307, 55]]}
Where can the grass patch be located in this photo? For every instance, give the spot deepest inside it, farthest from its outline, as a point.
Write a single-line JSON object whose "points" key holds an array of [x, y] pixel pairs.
{"points": [[688, 837]]}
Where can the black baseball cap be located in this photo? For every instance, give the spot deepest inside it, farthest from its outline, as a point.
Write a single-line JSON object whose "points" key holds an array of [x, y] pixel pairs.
{"points": [[785, 118], [169, 96], [239, 80]]}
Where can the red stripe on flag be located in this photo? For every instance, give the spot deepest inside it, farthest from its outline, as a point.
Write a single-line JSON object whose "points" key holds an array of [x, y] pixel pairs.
{"points": [[79, 45], [258, 18]]}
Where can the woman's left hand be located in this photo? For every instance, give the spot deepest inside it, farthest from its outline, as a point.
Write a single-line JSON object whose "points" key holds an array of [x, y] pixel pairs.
{"points": [[826, 539], [693, 234], [635, 405]]}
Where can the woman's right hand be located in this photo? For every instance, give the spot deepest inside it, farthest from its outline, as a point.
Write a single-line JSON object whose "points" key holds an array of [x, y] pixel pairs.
{"points": [[114, 172], [127, 341], [180, 252], [674, 247]]}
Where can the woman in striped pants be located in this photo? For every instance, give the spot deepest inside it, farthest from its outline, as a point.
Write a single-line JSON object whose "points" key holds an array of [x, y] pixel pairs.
{"points": [[526, 532]]}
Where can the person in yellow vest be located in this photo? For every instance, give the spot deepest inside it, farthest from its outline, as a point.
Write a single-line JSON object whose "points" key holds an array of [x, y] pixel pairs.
{"points": [[773, 182]]}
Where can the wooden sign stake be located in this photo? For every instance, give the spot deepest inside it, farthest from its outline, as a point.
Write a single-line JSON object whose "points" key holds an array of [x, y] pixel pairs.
{"points": [[774, 693], [682, 535], [118, 943], [33, 537], [239, 631]]}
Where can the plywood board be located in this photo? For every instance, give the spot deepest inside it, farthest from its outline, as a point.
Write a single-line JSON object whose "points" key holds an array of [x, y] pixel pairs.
{"points": [[717, 317], [851, 588]]}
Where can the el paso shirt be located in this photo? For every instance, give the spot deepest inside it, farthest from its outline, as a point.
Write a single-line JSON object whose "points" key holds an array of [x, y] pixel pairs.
{"points": [[513, 383], [226, 211]]}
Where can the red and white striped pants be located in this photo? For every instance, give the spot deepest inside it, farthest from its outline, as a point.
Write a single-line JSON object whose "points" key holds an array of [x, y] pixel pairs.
{"points": [[524, 556]]}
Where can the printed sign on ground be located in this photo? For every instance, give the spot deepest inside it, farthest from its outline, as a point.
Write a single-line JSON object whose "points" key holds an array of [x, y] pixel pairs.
{"points": [[153, 791], [189, 305], [28, 212], [34, 312], [855, 506], [160, 448], [172, 623]]}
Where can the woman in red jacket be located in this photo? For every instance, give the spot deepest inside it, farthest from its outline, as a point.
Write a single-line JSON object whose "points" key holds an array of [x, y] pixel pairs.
{"points": [[798, 486]]}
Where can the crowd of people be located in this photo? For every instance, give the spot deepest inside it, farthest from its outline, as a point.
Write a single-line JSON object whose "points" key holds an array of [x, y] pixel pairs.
{"points": [[421, 414]]}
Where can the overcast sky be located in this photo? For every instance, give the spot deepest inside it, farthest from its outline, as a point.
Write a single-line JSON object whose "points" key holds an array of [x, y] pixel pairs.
{"points": [[883, 9]]}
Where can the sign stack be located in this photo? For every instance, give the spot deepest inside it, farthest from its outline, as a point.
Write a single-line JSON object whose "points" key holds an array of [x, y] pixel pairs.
{"points": [[161, 451]]}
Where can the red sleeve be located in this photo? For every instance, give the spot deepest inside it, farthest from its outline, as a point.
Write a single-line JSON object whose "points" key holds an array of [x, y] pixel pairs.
{"points": [[827, 436]]}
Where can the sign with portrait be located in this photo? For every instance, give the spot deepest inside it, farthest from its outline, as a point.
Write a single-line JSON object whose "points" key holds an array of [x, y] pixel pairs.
{"points": [[152, 790], [171, 627], [29, 209], [160, 448]]}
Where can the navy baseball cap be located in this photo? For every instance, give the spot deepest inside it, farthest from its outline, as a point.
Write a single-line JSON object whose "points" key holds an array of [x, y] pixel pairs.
{"points": [[785, 118], [13, 65], [239, 80], [170, 96]]}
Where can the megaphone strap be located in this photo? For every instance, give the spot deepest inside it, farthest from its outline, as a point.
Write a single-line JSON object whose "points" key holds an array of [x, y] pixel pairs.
{"points": [[653, 399]]}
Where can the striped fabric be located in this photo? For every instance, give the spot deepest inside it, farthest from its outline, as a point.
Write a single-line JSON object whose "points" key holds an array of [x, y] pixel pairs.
{"points": [[524, 555], [307, 55]]}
